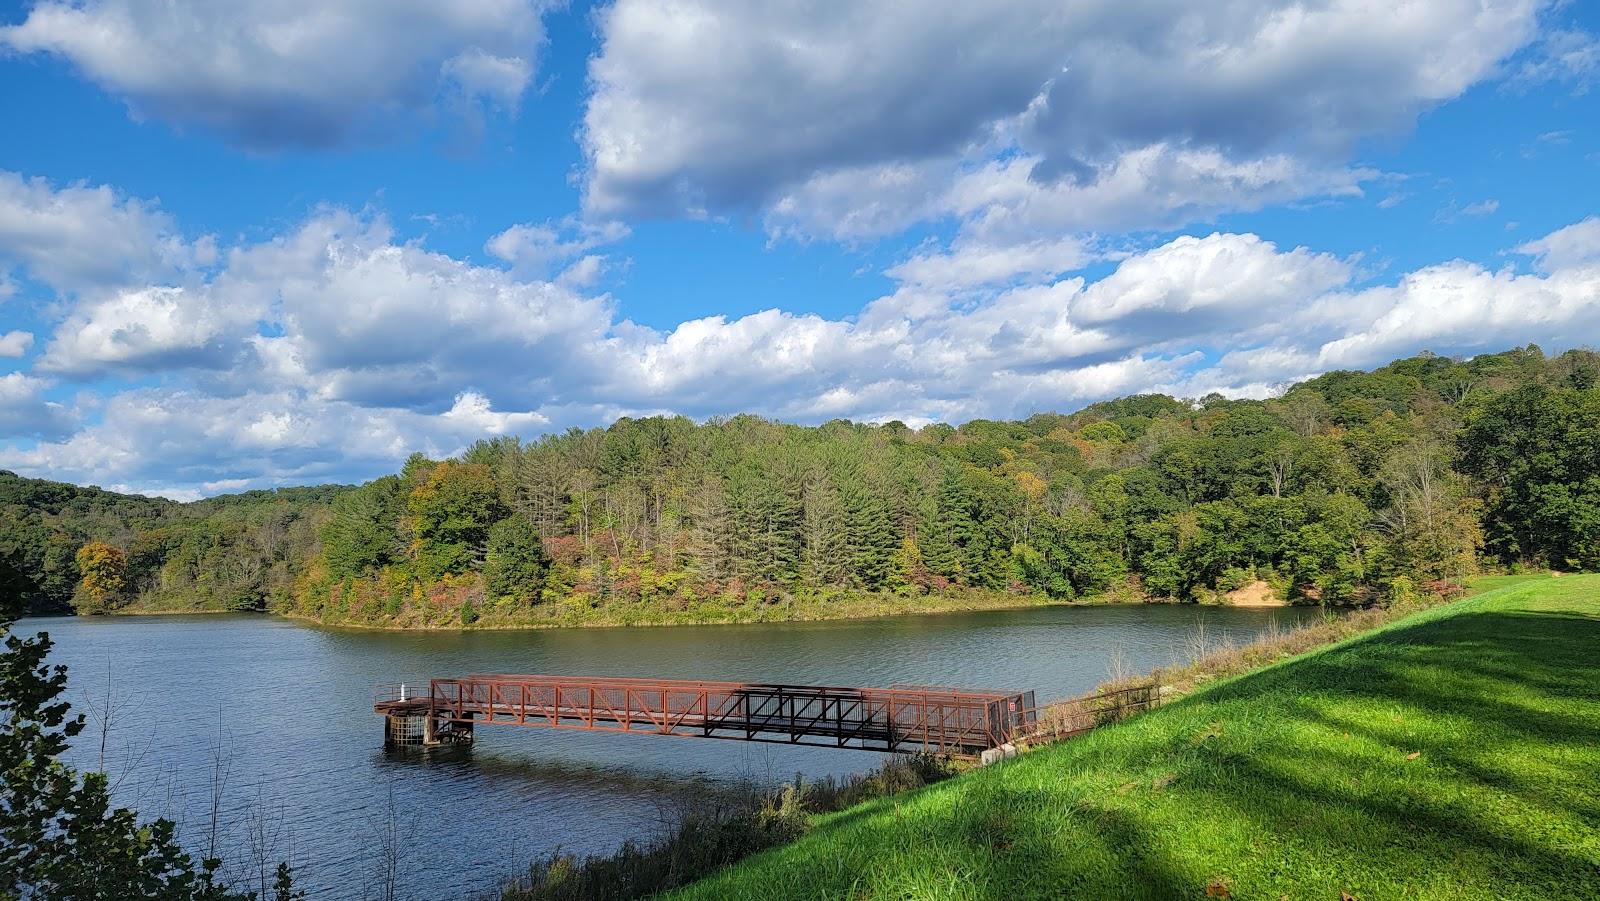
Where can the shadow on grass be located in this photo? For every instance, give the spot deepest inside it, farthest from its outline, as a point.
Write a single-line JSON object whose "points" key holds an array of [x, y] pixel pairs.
{"points": [[1295, 781]]}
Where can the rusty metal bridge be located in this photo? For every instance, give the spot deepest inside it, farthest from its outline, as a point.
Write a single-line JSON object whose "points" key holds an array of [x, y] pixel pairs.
{"points": [[901, 718]]}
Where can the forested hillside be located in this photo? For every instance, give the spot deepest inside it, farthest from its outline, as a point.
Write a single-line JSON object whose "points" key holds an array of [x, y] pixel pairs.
{"points": [[1349, 488], [63, 547]]}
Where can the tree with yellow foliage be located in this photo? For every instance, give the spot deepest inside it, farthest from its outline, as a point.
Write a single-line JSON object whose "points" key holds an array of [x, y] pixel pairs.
{"points": [[103, 570]]}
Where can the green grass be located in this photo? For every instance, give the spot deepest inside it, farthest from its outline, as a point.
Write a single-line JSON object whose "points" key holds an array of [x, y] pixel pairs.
{"points": [[1454, 754]]}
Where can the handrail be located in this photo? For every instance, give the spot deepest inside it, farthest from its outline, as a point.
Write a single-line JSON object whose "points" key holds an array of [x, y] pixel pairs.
{"points": [[390, 692], [944, 719], [1073, 716]]}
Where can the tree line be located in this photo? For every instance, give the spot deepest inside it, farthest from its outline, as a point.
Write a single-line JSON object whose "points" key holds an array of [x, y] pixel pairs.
{"points": [[90, 550], [1349, 488]]}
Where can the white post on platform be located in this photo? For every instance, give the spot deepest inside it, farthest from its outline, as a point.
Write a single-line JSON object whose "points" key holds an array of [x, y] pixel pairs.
{"points": [[402, 691]]}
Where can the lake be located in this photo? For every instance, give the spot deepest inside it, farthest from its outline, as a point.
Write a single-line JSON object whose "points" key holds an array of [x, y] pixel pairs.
{"points": [[280, 715]]}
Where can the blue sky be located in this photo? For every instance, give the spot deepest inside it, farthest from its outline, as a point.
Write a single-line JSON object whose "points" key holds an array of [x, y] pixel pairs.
{"points": [[288, 242]]}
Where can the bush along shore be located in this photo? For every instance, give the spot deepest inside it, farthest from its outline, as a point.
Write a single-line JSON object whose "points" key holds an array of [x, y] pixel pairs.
{"points": [[1351, 489], [1448, 754], [800, 607], [717, 832], [720, 832]]}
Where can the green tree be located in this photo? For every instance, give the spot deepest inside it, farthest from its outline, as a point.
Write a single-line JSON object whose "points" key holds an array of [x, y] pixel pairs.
{"points": [[1433, 521], [60, 836], [1536, 452], [1072, 555], [765, 499], [1330, 551], [452, 510], [360, 536], [826, 558], [515, 565], [870, 535], [948, 531]]}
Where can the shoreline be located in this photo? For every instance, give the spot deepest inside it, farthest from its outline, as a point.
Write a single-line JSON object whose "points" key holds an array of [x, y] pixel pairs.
{"points": [[656, 623], [734, 618]]}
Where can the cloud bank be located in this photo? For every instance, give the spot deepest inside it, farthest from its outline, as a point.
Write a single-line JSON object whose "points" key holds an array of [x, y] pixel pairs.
{"points": [[858, 122], [335, 349]]}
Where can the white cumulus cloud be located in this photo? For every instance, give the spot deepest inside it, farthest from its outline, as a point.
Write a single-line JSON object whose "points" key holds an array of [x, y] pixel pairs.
{"points": [[855, 122], [1567, 248], [270, 74], [15, 343], [79, 237]]}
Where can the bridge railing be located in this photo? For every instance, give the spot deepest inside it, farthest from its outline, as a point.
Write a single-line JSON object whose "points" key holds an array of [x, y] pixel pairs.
{"points": [[1075, 716], [402, 690], [943, 720]]}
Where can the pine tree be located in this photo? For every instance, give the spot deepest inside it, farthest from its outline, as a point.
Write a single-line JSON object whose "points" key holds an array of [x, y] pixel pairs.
{"points": [[947, 532], [767, 511], [711, 529], [60, 836], [361, 535], [870, 536], [826, 560]]}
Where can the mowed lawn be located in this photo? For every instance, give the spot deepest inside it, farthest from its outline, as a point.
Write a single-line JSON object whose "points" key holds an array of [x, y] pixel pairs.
{"points": [[1453, 754]]}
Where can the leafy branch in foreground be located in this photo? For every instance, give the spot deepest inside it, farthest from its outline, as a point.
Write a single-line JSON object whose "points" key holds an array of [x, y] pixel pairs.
{"points": [[60, 834]]}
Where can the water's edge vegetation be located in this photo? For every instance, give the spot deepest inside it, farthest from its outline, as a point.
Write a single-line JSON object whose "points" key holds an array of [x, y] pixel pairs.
{"points": [[1351, 488]]}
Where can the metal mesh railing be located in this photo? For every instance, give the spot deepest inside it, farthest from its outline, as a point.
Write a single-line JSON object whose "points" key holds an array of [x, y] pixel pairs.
{"points": [[1075, 716], [943, 720]]}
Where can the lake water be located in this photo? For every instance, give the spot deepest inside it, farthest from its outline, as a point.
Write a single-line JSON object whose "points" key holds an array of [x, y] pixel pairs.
{"points": [[284, 714]]}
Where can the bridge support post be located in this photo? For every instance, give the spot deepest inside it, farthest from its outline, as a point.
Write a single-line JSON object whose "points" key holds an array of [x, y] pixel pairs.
{"points": [[437, 731], [403, 730]]}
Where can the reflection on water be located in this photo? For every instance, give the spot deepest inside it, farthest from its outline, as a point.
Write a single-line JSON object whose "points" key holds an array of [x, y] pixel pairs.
{"points": [[282, 715]]}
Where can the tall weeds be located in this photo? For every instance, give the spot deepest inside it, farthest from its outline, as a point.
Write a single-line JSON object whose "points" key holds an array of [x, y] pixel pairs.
{"points": [[712, 833]]}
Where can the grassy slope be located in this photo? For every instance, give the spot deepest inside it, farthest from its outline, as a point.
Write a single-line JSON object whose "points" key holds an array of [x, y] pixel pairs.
{"points": [[1296, 781]]}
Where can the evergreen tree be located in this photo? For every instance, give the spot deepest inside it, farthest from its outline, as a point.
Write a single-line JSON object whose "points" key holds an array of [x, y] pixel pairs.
{"points": [[946, 536], [870, 536], [826, 561], [711, 529], [767, 510], [360, 537], [514, 565], [60, 836]]}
